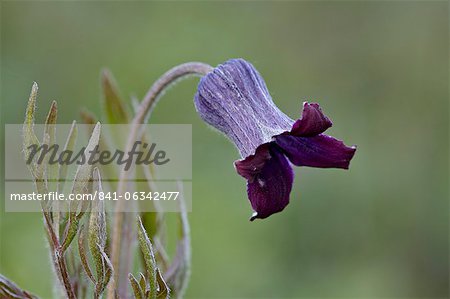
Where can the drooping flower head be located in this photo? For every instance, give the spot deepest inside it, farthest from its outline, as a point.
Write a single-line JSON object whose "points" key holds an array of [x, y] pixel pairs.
{"points": [[234, 99]]}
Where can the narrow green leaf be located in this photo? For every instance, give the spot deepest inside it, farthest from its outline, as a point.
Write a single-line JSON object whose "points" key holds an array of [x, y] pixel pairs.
{"points": [[29, 137], [109, 170], [97, 237], [52, 169], [40, 178], [164, 291], [149, 259], [41, 187], [52, 116], [70, 232], [80, 186], [37, 171], [83, 256], [69, 146], [108, 270], [97, 229], [142, 282], [84, 171], [137, 291], [113, 104], [50, 129]]}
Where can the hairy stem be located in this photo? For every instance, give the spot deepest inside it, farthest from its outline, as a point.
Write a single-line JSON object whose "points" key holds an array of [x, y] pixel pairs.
{"points": [[64, 274], [125, 221]]}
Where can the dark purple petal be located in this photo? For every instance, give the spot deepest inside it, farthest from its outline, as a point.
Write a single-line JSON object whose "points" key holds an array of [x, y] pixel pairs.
{"points": [[313, 121], [253, 164], [269, 191], [318, 151]]}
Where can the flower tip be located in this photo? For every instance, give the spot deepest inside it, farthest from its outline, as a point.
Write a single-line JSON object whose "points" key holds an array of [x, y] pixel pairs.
{"points": [[353, 148], [254, 216], [314, 104]]}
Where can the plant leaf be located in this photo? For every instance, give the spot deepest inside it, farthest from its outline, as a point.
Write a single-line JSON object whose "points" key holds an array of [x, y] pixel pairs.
{"points": [[84, 171], [108, 270], [97, 232], [137, 291], [83, 256], [80, 186], [149, 259], [113, 104], [164, 291], [29, 137], [50, 130], [52, 169], [109, 170], [71, 232], [142, 282], [69, 146]]}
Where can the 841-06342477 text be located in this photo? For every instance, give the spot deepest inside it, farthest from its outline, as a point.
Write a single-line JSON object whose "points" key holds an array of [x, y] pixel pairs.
{"points": [[107, 196]]}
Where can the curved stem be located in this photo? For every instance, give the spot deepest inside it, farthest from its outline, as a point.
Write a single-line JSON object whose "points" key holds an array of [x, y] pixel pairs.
{"points": [[145, 108], [170, 77]]}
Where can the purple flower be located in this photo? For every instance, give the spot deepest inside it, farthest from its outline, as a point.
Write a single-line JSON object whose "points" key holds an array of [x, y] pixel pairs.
{"points": [[234, 99]]}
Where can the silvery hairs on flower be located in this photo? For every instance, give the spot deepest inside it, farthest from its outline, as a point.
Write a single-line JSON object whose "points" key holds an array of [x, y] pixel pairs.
{"points": [[233, 98]]}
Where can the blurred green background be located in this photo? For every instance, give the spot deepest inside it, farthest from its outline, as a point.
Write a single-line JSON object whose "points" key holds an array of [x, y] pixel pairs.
{"points": [[379, 71]]}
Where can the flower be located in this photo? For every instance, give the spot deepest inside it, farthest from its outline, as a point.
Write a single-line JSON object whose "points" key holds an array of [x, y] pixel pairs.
{"points": [[234, 99]]}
